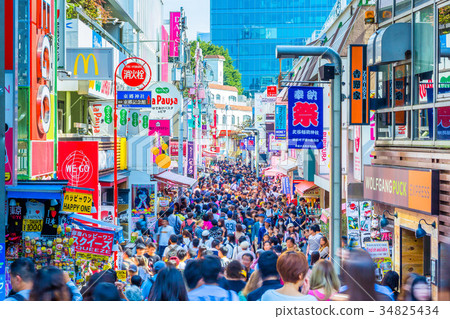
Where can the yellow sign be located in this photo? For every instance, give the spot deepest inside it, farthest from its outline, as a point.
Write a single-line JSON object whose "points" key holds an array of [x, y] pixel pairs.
{"points": [[32, 225], [87, 256], [85, 63], [77, 202], [121, 275]]}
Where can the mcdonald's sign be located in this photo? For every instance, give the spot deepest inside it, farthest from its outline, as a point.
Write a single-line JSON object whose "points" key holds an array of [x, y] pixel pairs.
{"points": [[89, 64]]}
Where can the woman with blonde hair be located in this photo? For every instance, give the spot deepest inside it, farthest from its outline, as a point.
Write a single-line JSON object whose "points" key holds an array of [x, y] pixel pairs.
{"points": [[253, 283], [324, 282]]}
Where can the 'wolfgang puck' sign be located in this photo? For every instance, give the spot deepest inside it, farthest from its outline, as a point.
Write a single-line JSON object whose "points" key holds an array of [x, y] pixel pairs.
{"points": [[414, 189]]}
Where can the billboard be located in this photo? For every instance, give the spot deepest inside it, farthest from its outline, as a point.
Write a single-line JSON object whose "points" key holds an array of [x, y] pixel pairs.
{"points": [[280, 122], [305, 117], [175, 33], [89, 64]]}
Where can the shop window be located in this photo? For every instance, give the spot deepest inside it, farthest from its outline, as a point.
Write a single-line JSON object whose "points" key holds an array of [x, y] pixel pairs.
{"points": [[419, 2], [443, 123], [384, 10], [423, 55], [423, 124], [383, 91], [233, 119], [224, 119], [402, 6], [444, 51], [402, 85], [402, 125], [384, 127]]}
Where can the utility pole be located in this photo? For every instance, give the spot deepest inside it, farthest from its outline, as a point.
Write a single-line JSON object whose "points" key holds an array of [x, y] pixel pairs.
{"points": [[226, 129], [182, 78], [257, 152]]}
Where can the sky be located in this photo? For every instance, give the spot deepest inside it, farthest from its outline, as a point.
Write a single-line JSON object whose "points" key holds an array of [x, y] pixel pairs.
{"points": [[197, 14]]}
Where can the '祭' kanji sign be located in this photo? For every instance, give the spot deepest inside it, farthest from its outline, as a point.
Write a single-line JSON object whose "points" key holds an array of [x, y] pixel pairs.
{"points": [[305, 117], [98, 243]]}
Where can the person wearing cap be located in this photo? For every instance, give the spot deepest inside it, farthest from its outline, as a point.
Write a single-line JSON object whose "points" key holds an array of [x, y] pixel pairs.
{"points": [[205, 239], [245, 249], [291, 233], [263, 230], [148, 283], [163, 235]]}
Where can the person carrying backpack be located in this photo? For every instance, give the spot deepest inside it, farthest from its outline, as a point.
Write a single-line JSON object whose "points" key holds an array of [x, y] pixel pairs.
{"points": [[189, 223], [172, 249]]}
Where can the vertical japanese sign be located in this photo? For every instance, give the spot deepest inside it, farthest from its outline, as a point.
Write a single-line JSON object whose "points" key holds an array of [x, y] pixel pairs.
{"points": [[174, 33], [2, 271], [61, 34], [190, 159], [164, 55], [10, 130], [357, 152], [242, 144], [359, 106], [280, 122], [286, 186], [272, 91], [305, 117], [251, 143]]}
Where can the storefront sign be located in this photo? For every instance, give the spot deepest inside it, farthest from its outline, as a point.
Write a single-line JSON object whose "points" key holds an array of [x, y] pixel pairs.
{"points": [[272, 91], [377, 249], [173, 148], [359, 111], [166, 100], [78, 163], [77, 202], [285, 186], [305, 117], [98, 243], [325, 153], [357, 151], [89, 64], [61, 34], [160, 127], [280, 122], [190, 159], [32, 225], [10, 130], [174, 33], [164, 55], [401, 187]]}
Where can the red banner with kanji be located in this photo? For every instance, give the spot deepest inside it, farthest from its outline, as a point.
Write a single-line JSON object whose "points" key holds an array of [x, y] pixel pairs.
{"points": [[98, 243]]}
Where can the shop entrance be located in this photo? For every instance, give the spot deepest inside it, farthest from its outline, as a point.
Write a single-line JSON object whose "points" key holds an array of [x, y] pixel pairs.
{"points": [[415, 254]]}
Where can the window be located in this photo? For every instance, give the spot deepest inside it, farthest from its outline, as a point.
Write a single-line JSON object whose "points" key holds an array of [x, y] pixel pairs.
{"points": [[238, 120], [423, 55], [402, 6], [423, 124], [384, 127], [224, 119], [402, 85], [218, 97], [232, 99], [443, 123], [384, 10], [233, 120], [444, 51], [402, 125], [247, 118], [217, 118]]}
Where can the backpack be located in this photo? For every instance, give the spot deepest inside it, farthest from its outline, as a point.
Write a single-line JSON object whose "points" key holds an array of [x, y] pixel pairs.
{"points": [[172, 251], [189, 227], [18, 297]]}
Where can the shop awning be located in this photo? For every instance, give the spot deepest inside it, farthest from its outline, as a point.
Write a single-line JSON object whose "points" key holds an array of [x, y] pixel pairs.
{"points": [[108, 180], [91, 220], [304, 186], [37, 190], [273, 172], [288, 166], [207, 153], [175, 179]]}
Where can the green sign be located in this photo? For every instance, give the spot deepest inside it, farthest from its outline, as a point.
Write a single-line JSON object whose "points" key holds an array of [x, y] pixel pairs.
{"points": [[145, 121], [108, 114], [162, 90], [123, 117], [135, 119]]}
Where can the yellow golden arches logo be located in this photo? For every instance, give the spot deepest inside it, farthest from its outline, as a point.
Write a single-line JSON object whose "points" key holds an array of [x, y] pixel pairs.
{"points": [[85, 63]]}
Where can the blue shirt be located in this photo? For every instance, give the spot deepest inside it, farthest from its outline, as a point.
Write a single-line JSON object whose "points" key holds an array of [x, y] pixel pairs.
{"points": [[378, 288], [212, 293]]}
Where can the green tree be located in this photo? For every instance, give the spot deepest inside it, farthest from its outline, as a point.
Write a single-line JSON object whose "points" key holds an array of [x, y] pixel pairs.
{"points": [[232, 76]]}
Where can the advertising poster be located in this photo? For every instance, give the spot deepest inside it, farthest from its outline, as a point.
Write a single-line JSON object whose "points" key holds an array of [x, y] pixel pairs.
{"points": [[365, 216], [160, 127], [143, 200], [251, 143], [305, 117], [93, 242], [10, 127], [353, 233]]}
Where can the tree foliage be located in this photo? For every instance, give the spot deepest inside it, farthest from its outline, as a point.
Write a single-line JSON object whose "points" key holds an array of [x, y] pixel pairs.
{"points": [[95, 9], [232, 76]]}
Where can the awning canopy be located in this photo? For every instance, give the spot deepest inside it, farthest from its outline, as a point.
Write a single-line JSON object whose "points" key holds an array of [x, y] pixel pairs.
{"points": [[288, 166], [108, 180], [175, 179], [207, 153], [91, 220], [272, 171], [37, 190], [304, 186]]}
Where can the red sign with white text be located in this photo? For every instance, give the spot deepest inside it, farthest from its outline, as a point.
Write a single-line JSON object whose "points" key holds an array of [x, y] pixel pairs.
{"points": [[272, 91], [134, 74], [92, 242], [173, 148], [78, 163]]}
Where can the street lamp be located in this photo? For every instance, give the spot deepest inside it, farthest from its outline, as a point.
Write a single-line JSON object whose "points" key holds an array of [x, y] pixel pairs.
{"points": [[227, 107], [255, 131], [336, 150]]}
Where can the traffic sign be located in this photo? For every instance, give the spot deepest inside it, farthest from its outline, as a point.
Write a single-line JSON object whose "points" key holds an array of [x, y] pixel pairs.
{"points": [[134, 98]]}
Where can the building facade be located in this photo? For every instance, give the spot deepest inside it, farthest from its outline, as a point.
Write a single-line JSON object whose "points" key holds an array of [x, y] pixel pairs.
{"points": [[250, 30]]}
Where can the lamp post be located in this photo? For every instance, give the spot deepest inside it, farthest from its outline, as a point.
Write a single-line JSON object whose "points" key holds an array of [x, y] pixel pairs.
{"points": [[336, 150], [226, 129], [255, 132], [181, 122]]}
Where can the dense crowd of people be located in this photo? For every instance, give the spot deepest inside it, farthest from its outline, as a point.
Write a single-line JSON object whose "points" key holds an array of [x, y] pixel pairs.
{"points": [[233, 237]]}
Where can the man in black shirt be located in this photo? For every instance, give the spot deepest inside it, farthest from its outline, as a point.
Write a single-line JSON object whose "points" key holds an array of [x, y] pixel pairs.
{"points": [[267, 265]]}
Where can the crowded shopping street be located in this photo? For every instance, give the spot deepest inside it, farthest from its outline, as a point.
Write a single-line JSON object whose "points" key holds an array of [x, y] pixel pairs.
{"points": [[225, 150]]}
